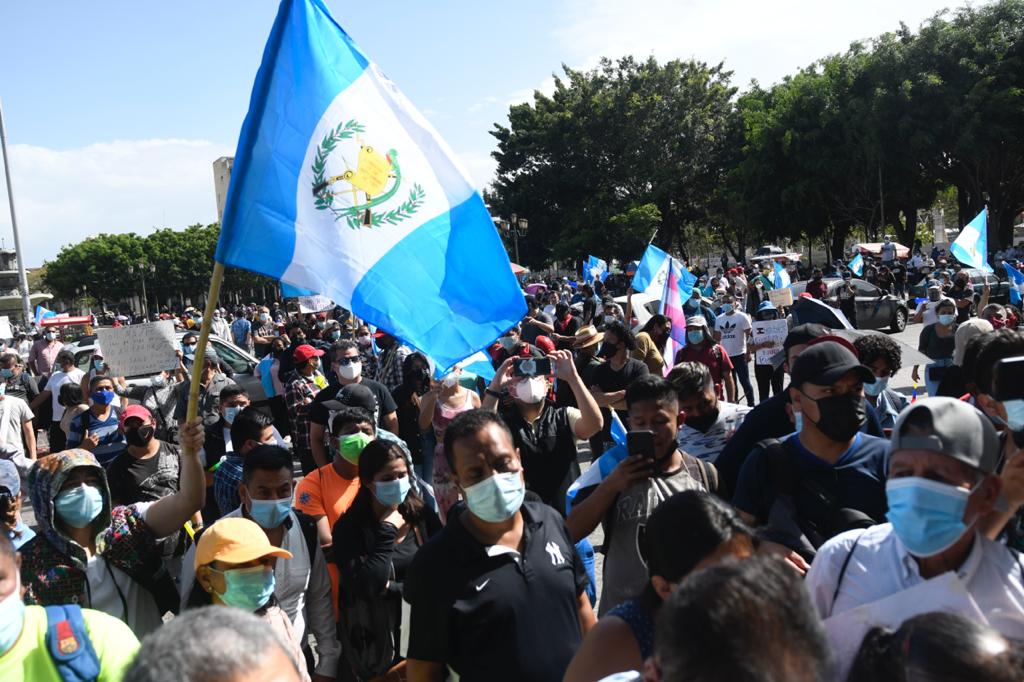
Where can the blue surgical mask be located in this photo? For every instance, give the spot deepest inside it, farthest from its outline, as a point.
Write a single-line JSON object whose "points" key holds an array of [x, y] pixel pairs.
{"points": [[98, 365], [7, 373], [727, 308], [695, 337], [78, 507], [335, 335], [392, 493], [102, 397], [798, 417], [876, 388], [12, 617], [497, 498], [247, 588], [927, 516], [947, 320], [230, 413], [188, 349], [1014, 414], [270, 513]]}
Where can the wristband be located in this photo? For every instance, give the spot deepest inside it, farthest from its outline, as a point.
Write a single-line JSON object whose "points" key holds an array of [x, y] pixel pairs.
{"points": [[491, 392]]}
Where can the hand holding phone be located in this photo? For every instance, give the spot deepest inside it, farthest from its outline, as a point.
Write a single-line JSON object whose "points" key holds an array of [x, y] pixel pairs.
{"points": [[640, 443]]}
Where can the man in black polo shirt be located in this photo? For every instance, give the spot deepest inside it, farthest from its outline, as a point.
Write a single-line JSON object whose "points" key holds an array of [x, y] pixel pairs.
{"points": [[545, 434], [499, 593]]}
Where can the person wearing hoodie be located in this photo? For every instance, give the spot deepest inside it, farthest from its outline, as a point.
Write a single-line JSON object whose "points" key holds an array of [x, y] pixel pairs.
{"points": [[100, 556]]}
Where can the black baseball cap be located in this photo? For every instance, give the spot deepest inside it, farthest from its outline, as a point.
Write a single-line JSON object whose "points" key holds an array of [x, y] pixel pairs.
{"points": [[825, 363], [804, 333]]}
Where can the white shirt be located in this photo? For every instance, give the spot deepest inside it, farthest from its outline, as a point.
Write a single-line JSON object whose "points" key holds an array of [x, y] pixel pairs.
{"points": [[881, 566], [733, 327], [710, 444], [930, 316], [58, 379], [14, 412], [303, 591]]}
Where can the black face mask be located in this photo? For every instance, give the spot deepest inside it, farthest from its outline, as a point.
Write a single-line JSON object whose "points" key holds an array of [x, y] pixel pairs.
{"points": [[704, 421], [841, 416], [139, 437]]}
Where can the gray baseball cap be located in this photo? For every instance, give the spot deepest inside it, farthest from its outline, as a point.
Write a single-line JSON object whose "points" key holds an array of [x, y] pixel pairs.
{"points": [[9, 477], [958, 430]]}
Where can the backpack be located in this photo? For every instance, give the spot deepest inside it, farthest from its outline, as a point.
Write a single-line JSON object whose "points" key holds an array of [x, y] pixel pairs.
{"points": [[69, 646], [805, 514]]}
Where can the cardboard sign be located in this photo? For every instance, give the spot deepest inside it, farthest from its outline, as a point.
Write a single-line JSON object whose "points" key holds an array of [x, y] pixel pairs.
{"points": [[772, 331], [5, 328], [945, 592], [139, 349], [314, 304], [781, 297]]}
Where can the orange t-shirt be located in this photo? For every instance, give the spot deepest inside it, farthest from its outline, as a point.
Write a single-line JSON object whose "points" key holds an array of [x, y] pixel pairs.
{"points": [[325, 493]]}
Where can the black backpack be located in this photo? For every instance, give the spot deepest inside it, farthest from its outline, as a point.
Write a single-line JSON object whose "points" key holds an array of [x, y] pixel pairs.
{"points": [[805, 513]]}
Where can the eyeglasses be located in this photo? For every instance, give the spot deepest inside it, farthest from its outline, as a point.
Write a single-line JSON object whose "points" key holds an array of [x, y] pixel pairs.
{"points": [[344, 362]]}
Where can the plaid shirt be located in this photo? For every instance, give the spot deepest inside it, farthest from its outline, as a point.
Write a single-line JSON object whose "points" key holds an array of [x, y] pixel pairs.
{"points": [[389, 372], [225, 484], [299, 392]]}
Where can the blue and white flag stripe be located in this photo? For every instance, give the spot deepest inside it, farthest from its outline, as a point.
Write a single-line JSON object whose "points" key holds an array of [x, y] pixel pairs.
{"points": [[1016, 283], [971, 245], [423, 260], [652, 274], [604, 465], [856, 265], [781, 276]]}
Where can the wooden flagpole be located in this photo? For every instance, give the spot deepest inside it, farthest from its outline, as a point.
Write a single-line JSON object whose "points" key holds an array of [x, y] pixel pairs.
{"points": [[204, 336]]}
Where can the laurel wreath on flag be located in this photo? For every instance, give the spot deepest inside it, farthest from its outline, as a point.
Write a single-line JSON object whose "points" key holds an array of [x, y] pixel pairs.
{"points": [[325, 200]]}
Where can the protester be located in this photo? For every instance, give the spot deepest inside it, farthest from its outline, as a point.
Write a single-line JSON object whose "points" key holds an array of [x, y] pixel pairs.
{"points": [[234, 566], [249, 428], [925, 313], [74, 404], [846, 293], [301, 387], [302, 585], [17, 433], [105, 557], [624, 500], [650, 342], [687, 532], [709, 422], [11, 523], [937, 342], [816, 287], [26, 651], [825, 478], [347, 370], [701, 347], [769, 376], [148, 469], [564, 326], [536, 322], [408, 398], [545, 434], [445, 400], [392, 355], [67, 373], [938, 647], [98, 429], [608, 382], [44, 358], [941, 484], [214, 644], [17, 382], [367, 352], [470, 610], [263, 332], [883, 357], [732, 330], [211, 382], [375, 542]]}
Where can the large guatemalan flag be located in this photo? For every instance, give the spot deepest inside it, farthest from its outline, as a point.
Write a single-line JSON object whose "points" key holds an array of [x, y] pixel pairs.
{"points": [[340, 186]]}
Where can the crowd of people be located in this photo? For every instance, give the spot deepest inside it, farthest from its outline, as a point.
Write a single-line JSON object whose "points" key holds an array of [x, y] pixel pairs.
{"points": [[370, 516]]}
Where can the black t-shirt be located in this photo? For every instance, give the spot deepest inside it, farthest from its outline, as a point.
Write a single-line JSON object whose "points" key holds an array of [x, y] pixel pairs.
{"points": [[22, 386], [319, 414], [548, 451], [609, 381], [502, 617], [134, 480]]}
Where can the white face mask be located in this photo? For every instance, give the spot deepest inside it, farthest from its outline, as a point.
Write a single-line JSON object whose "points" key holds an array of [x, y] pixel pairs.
{"points": [[450, 380], [350, 371], [532, 390]]}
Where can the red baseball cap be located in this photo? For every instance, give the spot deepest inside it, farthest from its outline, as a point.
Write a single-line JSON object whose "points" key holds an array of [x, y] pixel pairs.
{"points": [[137, 411], [545, 344], [305, 352]]}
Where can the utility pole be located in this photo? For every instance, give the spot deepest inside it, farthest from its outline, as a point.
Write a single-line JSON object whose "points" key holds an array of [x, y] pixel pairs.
{"points": [[26, 304]]}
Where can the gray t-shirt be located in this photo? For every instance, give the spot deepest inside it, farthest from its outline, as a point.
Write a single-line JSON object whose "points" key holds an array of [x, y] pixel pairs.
{"points": [[625, 572], [531, 332]]}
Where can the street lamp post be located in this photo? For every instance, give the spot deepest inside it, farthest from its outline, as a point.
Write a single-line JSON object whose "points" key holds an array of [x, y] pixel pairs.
{"points": [[143, 268], [516, 227]]}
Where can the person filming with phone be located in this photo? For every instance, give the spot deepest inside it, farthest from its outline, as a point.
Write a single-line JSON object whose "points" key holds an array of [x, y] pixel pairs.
{"points": [[544, 433], [654, 470]]}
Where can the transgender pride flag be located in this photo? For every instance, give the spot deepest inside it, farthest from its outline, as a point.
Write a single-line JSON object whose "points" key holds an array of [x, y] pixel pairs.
{"points": [[677, 290]]}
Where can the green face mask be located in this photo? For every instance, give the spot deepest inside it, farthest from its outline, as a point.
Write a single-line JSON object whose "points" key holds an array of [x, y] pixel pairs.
{"points": [[351, 446]]}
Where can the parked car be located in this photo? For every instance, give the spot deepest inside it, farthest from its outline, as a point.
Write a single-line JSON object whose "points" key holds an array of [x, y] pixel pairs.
{"points": [[875, 308], [241, 363], [999, 289]]}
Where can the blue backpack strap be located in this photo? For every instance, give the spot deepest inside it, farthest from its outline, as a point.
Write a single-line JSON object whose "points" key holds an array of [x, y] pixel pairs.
{"points": [[69, 645]]}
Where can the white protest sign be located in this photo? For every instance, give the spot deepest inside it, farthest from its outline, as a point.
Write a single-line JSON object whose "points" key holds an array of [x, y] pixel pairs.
{"points": [[5, 328], [768, 331], [781, 298], [942, 593], [139, 349], [314, 304]]}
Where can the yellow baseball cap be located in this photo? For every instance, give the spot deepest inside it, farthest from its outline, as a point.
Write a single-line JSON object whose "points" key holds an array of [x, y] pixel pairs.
{"points": [[236, 541]]}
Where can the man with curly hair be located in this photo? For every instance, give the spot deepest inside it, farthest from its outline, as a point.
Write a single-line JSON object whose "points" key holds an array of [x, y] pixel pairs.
{"points": [[883, 356]]}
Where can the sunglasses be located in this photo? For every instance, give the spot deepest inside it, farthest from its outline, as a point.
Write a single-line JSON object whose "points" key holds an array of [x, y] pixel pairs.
{"points": [[344, 362]]}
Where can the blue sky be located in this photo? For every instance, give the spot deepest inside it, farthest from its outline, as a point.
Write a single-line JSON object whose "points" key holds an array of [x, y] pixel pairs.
{"points": [[115, 110]]}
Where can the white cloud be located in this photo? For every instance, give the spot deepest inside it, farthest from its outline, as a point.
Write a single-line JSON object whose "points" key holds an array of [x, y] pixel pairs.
{"points": [[480, 166], [63, 196], [546, 87], [762, 40], [482, 104]]}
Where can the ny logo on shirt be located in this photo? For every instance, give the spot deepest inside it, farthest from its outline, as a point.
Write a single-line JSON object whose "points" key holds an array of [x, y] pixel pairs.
{"points": [[555, 552]]}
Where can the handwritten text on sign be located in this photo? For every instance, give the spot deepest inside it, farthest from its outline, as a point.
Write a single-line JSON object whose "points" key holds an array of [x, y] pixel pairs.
{"points": [[139, 349], [769, 331]]}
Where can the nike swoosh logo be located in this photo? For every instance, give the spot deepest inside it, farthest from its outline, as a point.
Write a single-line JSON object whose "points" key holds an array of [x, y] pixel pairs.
{"points": [[482, 585]]}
